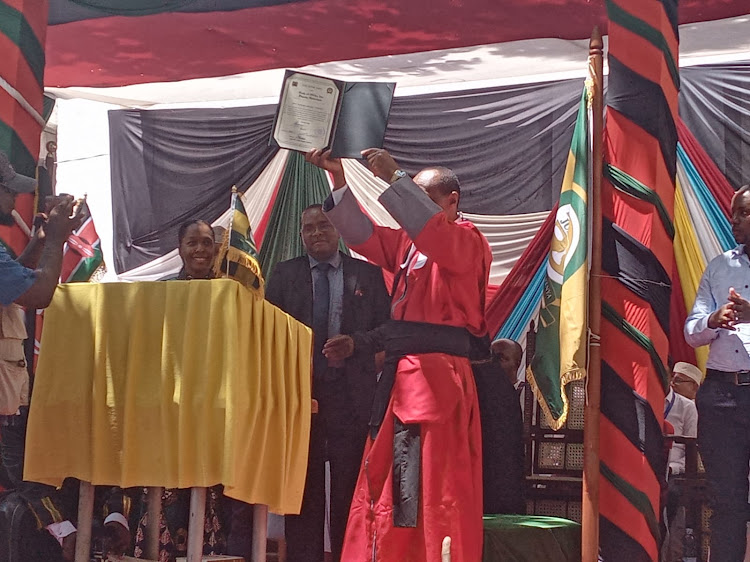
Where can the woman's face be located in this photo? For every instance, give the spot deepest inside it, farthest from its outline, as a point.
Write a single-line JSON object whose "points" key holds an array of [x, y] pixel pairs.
{"points": [[197, 250]]}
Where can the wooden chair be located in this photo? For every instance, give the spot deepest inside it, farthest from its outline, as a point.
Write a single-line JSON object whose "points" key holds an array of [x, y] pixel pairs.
{"points": [[694, 495]]}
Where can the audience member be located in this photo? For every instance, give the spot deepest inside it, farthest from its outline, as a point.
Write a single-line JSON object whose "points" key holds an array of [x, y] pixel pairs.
{"points": [[338, 297], [509, 355], [502, 429], [681, 413], [686, 379], [681, 417]]}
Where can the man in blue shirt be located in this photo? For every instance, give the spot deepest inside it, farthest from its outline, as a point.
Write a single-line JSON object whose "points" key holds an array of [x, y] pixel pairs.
{"points": [[721, 319], [18, 282], [28, 281]]}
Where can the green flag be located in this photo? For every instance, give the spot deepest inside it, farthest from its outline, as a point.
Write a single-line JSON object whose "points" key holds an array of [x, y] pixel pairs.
{"points": [[560, 356], [238, 256]]}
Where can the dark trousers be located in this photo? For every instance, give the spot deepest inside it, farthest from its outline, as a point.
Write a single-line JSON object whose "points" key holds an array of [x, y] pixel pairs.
{"points": [[238, 518], [12, 439], [724, 443], [12, 447], [338, 437]]}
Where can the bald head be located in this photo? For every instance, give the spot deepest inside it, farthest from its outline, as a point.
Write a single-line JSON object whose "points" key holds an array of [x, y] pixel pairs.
{"points": [[442, 186], [509, 354]]}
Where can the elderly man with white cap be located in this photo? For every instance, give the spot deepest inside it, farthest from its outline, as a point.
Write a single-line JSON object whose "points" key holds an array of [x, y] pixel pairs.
{"points": [[686, 378], [680, 410], [681, 413]]}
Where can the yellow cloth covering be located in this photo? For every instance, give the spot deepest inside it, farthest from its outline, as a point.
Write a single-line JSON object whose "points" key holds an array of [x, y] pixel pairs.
{"points": [[175, 384]]}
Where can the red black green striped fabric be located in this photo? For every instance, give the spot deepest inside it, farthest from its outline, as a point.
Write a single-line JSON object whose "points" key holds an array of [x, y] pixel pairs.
{"points": [[22, 32], [23, 26], [637, 206]]}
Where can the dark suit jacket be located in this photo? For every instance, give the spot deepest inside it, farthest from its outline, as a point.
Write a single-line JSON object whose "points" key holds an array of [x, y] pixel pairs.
{"points": [[365, 306], [502, 441]]}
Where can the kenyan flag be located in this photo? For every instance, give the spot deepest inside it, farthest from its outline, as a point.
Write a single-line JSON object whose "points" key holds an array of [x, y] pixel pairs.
{"points": [[82, 262], [82, 254]]}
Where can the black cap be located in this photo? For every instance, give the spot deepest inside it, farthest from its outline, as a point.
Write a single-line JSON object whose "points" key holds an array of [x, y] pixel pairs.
{"points": [[12, 180]]}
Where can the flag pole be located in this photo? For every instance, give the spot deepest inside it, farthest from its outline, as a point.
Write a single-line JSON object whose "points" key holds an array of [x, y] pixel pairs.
{"points": [[231, 221], [590, 501]]}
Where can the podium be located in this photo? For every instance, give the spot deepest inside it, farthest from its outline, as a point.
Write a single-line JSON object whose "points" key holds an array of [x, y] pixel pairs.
{"points": [[179, 384]]}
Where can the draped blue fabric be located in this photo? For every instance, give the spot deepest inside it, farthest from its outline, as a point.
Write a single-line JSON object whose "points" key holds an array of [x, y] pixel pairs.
{"points": [[517, 323]]}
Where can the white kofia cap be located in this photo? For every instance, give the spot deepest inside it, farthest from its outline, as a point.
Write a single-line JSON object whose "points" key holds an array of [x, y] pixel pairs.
{"points": [[689, 371]]}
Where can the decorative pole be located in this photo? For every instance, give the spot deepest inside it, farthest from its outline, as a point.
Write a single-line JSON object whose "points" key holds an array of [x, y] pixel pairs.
{"points": [[590, 501]]}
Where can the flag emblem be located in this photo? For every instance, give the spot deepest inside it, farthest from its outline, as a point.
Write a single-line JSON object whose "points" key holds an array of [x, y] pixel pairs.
{"points": [[562, 339]]}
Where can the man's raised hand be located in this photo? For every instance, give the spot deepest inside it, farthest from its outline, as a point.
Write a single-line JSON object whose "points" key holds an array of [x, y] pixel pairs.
{"points": [[62, 221], [723, 317], [322, 159], [380, 163]]}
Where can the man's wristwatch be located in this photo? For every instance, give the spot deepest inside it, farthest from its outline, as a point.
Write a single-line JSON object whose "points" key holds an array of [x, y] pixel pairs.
{"points": [[397, 175]]}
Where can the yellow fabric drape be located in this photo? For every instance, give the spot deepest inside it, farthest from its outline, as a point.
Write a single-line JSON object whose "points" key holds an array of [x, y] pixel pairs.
{"points": [[690, 261], [176, 384]]}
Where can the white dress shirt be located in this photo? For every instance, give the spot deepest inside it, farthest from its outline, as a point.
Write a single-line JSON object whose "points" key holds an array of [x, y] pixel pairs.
{"points": [[683, 415], [729, 349]]}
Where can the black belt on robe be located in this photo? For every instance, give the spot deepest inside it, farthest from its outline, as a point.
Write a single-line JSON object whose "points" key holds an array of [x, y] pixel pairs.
{"points": [[403, 338]]}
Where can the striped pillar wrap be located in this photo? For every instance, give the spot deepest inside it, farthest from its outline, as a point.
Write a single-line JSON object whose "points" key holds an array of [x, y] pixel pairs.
{"points": [[637, 262], [23, 26]]}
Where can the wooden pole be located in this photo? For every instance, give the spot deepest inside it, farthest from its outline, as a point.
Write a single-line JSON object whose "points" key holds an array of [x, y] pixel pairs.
{"points": [[590, 503], [153, 509], [85, 518], [260, 532], [196, 524]]}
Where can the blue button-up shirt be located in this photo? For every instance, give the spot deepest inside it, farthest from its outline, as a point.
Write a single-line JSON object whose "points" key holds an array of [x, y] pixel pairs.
{"points": [[729, 349], [336, 289], [15, 279]]}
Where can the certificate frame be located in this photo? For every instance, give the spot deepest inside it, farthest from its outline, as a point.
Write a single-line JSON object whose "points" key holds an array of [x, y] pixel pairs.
{"points": [[308, 110], [359, 120]]}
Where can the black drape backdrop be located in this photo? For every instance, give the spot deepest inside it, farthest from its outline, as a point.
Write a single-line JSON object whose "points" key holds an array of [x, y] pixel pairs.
{"points": [[715, 106], [169, 166], [508, 145]]}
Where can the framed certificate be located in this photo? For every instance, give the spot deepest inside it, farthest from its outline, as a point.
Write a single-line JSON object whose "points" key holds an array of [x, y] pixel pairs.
{"points": [[319, 112], [307, 112]]}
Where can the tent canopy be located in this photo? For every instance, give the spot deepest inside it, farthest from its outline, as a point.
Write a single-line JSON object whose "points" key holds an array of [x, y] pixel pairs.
{"points": [[98, 42]]}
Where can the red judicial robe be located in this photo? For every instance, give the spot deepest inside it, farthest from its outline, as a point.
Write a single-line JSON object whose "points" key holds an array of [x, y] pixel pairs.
{"points": [[447, 271]]}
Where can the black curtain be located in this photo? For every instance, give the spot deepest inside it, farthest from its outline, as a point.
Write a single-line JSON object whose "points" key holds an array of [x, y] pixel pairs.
{"points": [[508, 145], [169, 166], [715, 106]]}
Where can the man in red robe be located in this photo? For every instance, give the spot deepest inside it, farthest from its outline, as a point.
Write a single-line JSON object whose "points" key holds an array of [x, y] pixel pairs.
{"points": [[420, 479]]}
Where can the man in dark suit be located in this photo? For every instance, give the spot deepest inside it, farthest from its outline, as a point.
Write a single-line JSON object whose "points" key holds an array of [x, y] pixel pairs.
{"points": [[502, 429], [341, 298]]}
